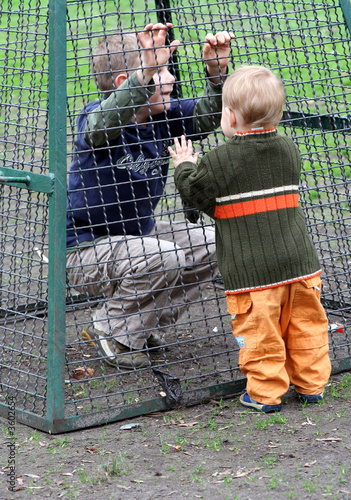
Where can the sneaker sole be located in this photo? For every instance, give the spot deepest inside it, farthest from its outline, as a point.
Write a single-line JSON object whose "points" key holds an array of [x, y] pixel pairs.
{"points": [[151, 345], [259, 407], [310, 399], [91, 341], [127, 365]]}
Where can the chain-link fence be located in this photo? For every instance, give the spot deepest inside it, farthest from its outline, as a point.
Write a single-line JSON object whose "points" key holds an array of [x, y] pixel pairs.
{"points": [[141, 266]]}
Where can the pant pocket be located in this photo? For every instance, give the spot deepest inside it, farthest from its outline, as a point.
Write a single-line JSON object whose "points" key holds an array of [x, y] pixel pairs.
{"points": [[308, 322], [314, 283], [243, 326]]}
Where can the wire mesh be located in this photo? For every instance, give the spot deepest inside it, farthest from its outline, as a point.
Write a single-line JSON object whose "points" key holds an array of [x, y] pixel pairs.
{"points": [[23, 213], [127, 287]]}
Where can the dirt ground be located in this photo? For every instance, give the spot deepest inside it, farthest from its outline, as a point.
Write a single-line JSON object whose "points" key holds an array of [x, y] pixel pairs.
{"points": [[218, 449]]}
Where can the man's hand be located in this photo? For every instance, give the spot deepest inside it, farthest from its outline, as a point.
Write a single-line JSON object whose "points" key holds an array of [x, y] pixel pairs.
{"points": [[155, 53], [183, 152], [216, 54]]}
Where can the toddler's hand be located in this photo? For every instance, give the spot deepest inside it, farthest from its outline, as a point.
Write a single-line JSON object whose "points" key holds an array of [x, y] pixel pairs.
{"points": [[183, 152]]}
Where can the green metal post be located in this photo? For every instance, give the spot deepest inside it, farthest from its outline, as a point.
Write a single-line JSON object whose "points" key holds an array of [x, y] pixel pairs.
{"points": [[57, 212], [346, 9]]}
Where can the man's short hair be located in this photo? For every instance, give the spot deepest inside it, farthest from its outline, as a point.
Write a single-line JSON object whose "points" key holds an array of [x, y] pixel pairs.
{"points": [[114, 54], [256, 93]]}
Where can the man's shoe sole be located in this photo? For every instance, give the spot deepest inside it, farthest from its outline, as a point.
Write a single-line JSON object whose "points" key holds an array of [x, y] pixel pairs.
{"points": [[127, 361], [155, 342]]}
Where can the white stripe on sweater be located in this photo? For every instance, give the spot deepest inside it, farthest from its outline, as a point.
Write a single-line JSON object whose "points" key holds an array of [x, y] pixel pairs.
{"points": [[254, 194]]}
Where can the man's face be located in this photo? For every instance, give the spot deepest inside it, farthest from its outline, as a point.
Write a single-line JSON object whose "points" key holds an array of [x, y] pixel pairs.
{"points": [[160, 101]]}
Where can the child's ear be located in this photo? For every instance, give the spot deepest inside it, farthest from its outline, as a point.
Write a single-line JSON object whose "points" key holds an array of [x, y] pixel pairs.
{"points": [[231, 115], [120, 78]]}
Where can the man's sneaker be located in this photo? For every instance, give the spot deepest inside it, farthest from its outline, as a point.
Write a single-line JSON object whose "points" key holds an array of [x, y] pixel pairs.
{"points": [[245, 400], [155, 341], [311, 398], [112, 352]]}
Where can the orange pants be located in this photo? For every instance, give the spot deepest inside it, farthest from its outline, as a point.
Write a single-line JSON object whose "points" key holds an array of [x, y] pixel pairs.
{"points": [[283, 337]]}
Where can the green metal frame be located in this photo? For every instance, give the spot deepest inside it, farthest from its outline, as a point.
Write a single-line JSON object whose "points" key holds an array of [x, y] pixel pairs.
{"points": [[155, 405], [346, 9], [54, 184], [31, 181], [57, 212]]}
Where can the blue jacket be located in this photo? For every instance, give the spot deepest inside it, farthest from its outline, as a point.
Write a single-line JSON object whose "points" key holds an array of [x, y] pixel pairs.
{"points": [[114, 187]]}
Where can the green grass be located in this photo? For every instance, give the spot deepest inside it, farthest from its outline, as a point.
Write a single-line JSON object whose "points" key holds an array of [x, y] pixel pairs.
{"points": [[275, 35], [295, 42], [117, 466]]}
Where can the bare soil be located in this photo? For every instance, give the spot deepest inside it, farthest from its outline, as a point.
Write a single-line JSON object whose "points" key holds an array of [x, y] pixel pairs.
{"points": [[218, 449]]}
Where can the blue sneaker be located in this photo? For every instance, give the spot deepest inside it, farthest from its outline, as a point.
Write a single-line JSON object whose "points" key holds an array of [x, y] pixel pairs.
{"points": [[309, 399], [245, 400]]}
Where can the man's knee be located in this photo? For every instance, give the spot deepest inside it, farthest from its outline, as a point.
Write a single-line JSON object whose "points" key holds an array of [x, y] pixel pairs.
{"points": [[157, 259], [170, 260]]}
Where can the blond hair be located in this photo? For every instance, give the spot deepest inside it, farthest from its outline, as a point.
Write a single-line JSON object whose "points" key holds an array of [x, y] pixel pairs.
{"points": [[256, 93], [113, 54]]}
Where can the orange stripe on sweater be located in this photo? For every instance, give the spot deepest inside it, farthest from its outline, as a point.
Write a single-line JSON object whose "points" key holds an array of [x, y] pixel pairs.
{"points": [[256, 206]]}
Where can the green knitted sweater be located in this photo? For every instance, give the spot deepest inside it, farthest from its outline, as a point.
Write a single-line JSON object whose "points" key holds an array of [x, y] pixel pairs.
{"points": [[249, 185]]}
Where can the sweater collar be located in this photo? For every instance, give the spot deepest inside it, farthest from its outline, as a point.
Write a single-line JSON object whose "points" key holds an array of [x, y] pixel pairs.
{"points": [[255, 131]]}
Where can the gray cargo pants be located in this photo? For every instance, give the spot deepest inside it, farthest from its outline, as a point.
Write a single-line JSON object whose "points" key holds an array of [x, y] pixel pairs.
{"points": [[146, 281]]}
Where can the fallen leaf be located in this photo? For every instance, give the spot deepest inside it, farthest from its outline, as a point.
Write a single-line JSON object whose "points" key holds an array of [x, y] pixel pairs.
{"points": [[81, 373], [176, 447], [217, 473], [67, 474], [241, 473], [92, 449], [308, 422], [20, 481], [32, 475], [189, 424], [309, 464]]}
